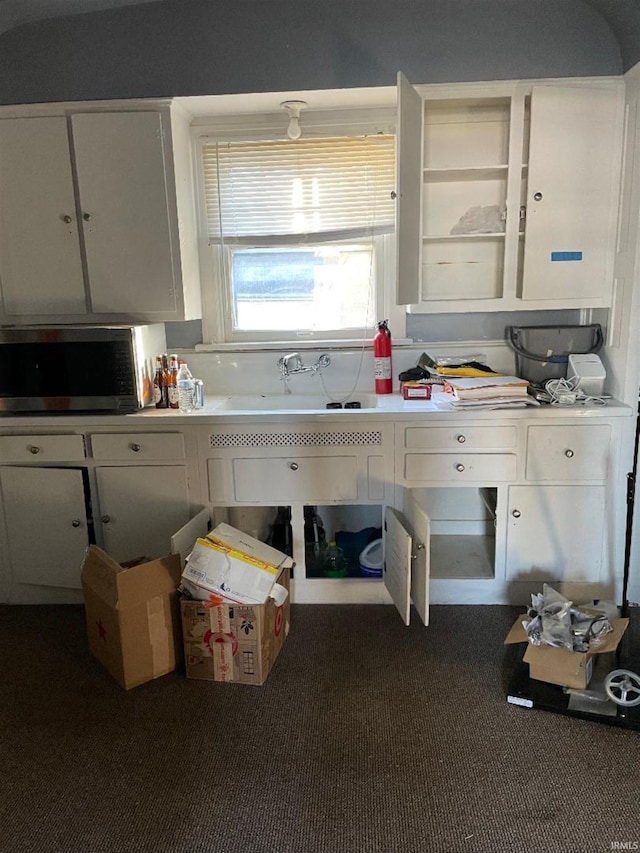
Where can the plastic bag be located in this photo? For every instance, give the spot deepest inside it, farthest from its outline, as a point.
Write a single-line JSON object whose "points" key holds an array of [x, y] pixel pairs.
{"points": [[481, 219]]}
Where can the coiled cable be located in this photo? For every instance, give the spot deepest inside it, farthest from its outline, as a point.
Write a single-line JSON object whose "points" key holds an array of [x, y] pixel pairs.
{"points": [[567, 392]]}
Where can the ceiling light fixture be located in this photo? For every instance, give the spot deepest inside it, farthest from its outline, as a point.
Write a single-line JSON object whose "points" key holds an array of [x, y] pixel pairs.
{"points": [[294, 131]]}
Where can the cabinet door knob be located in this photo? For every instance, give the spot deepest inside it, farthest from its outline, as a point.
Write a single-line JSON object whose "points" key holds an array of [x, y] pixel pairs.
{"points": [[516, 513], [86, 217], [461, 439], [135, 447], [537, 196], [33, 448], [76, 522], [394, 195], [568, 453], [293, 466], [460, 467], [105, 519], [66, 218]]}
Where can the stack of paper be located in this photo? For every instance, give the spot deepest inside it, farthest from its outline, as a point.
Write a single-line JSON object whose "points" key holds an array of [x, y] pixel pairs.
{"points": [[489, 392]]}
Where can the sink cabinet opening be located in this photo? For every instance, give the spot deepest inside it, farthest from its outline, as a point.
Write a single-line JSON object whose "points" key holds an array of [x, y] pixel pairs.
{"points": [[463, 531], [353, 528]]}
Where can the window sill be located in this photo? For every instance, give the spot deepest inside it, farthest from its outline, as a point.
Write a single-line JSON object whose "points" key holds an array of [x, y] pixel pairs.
{"points": [[346, 344]]}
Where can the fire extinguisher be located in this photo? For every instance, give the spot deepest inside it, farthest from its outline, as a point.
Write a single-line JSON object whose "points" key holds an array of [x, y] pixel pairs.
{"points": [[382, 358]]}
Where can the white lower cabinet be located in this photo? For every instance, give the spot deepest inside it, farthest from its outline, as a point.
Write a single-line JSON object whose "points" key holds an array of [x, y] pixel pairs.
{"points": [[304, 531], [555, 533], [140, 508], [59, 492], [467, 511], [46, 524]]}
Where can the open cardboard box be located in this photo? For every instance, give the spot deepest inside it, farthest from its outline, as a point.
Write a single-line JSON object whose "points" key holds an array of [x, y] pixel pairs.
{"points": [[134, 625], [133, 622], [223, 640], [560, 666], [234, 642]]}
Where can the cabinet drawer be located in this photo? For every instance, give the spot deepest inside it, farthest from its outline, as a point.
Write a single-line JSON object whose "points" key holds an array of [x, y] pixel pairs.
{"points": [[453, 468], [139, 446], [315, 479], [41, 448], [462, 438], [568, 452]]}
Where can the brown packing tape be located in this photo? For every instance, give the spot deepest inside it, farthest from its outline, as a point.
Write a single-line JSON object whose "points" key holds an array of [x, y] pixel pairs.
{"points": [[161, 636], [219, 619], [223, 662]]}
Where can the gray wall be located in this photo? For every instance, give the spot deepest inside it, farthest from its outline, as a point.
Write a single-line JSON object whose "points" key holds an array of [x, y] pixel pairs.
{"points": [[191, 47]]}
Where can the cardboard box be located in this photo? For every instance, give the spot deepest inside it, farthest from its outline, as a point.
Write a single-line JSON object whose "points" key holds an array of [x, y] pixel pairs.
{"points": [[234, 565], [560, 666], [234, 642], [132, 615]]}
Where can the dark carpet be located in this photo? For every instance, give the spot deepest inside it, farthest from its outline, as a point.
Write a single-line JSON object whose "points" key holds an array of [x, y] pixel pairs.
{"points": [[367, 736]]}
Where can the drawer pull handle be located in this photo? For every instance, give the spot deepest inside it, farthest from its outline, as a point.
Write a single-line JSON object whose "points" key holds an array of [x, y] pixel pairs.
{"points": [[568, 453], [105, 519], [135, 447], [460, 467], [461, 439], [293, 466], [76, 522], [33, 448], [516, 513]]}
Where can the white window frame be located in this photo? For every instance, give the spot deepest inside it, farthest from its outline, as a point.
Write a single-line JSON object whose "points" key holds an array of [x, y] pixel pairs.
{"points": [[217, 310]]}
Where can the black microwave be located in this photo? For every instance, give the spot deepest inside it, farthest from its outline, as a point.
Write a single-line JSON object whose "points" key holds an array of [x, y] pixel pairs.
{"points": [[78, 368]]}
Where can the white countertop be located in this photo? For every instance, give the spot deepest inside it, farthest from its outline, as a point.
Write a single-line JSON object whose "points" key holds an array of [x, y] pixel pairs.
{"points": [[221, 409]]}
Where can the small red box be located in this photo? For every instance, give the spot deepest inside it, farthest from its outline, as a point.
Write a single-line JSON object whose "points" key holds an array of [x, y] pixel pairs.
{"points": [[416, 391]]}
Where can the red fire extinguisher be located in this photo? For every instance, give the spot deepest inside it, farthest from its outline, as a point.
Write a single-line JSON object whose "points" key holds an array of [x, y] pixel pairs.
{"points": [[382, 359]]}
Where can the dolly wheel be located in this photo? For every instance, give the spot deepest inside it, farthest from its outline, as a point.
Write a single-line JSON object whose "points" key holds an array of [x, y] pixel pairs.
{"points": [[623, 687]]}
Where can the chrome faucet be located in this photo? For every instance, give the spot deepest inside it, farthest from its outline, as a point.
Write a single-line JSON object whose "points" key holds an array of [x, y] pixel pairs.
{"points": [[291, 365]]}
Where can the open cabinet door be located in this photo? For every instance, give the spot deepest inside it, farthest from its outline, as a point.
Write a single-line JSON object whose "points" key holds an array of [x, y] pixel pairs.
{"points": [[406, 558], [409, 183], [398, 546], [183, 540], [420, 525]]}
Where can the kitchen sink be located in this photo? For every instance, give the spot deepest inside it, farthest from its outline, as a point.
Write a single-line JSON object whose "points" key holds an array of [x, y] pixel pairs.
{"points": [[288, 402]]}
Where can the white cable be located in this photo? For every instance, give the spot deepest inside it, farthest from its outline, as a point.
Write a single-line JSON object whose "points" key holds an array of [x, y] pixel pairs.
{"points": [[567, 392]]}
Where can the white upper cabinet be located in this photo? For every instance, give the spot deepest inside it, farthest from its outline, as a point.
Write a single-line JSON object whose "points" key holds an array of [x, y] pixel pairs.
{"points": [[97, 217], [572, 176], [40, 261], [409, 192], [507, 195], [124, 205]]}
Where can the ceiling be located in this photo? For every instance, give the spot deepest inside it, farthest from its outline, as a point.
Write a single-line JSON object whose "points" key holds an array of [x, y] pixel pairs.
{"points": [[13, 13], [622, 16]]}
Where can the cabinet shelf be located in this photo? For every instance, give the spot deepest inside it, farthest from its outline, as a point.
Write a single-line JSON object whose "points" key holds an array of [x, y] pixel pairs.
{"points": [[487, 236], [465, 173]]}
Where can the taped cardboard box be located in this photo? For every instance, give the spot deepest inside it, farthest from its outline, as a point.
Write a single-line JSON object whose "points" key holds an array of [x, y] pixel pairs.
{"points": [[234, 642], [560, 666], [132, 615]]}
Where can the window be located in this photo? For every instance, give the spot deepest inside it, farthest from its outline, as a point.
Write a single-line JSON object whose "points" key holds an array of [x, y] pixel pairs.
{"points": [[298, 234]]}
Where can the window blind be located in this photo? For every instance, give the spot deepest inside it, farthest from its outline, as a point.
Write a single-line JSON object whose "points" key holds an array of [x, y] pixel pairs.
{"points": [[292, 192]]}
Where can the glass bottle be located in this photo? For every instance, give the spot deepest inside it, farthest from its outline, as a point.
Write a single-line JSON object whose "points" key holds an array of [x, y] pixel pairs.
{"points": [[334, 562], [158, 385], [172, 383], [186, 385]]}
